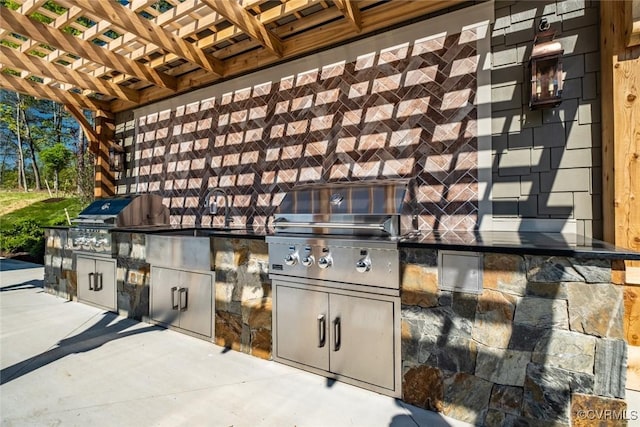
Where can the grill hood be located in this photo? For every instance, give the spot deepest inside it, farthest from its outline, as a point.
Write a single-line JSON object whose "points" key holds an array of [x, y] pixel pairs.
{"points": [[362, 208], [143, 209]]}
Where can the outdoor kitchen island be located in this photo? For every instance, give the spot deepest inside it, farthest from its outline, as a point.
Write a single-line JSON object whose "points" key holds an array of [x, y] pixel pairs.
{"points": [[538, 338]]}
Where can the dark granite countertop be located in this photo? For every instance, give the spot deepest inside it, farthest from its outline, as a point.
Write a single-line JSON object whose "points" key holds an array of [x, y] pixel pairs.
{"points": [[190, 230], [552, 244]]}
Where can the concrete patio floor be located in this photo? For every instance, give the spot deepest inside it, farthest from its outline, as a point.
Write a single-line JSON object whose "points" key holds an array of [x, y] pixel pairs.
{"points": [[70, 364]]}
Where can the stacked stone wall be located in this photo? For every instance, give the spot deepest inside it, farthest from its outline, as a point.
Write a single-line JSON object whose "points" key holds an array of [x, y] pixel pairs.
{"points": [[243, 296], [133, 275], [59, 266], [543, 339], [132, 271]]}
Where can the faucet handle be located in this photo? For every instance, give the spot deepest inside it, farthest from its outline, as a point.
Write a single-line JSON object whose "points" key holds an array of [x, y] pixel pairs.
{"points": [[213, 207]]}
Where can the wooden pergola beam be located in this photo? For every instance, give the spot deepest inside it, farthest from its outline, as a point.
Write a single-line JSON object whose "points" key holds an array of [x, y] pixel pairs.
{"points": [[20, 24], [37, 66], [130, 21], [238, 16], [327, 35], [351, 11], [29, 87], [86, 127]]}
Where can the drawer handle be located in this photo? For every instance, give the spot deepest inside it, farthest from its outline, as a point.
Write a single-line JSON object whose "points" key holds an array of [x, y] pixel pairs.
{"points": [[336, 334], [91, 278], [322, 335], [98, 287], [174, 304], [185, 292]]}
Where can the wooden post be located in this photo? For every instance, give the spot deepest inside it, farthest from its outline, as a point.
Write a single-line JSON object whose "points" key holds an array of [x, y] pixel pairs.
{"points": [[620, 129], [105, 180], [621, 159]]}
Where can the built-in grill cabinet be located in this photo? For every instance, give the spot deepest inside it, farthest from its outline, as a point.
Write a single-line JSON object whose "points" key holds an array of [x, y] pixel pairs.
{"points": [[335, 270], [91, 241]]}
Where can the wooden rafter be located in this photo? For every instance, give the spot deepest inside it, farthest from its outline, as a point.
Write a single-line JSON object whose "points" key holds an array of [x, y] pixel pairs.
{"points": [[87, 128], [128, 60], [20, 24], [206, 21], [336, 32], [29, 87], [255, 29], [351, 11], [37, 66], [148, 30]]}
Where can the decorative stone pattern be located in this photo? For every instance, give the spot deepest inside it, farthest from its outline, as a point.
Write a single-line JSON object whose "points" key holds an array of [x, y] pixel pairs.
{"points": [[505, 273], [569, 350], [494, 316], [588, 410], [598, 312], [539, 334], [243, 296], [133, 275], [59, 265], [465, 406], [610, 367], [423, 386]]}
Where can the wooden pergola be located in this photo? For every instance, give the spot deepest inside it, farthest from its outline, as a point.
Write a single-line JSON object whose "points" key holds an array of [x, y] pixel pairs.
{"points": [[108, 57]]}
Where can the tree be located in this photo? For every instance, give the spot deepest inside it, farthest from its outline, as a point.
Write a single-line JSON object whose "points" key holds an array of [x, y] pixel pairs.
{"points": [[24, 103], [55, 159], [10, 128]]}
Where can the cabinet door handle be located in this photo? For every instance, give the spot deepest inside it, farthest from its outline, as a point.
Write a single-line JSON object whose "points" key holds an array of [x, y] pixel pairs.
{"points": [[185, 292], [98, 287], [321, 330], [174, 304], [91, 276], [336, 334]]}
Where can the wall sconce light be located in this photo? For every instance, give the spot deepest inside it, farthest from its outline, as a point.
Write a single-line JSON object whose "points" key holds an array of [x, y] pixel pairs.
{"points": [[546, 69], [116, 157]]}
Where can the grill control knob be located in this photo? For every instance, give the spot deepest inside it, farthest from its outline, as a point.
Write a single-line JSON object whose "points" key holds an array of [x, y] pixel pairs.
{"points": [[325, 261], [363, 265], [291, 259], [308, 261]]}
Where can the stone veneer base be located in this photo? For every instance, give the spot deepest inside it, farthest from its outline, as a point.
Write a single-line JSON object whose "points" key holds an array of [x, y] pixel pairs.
{"points": [[543, 340]]}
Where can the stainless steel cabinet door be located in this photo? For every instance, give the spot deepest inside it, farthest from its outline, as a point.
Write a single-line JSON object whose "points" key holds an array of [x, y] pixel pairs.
{"points": [[86, 271], [104, 293], [361, 339], [194, 302], [97, 281], [302, 322], [164, 295]]}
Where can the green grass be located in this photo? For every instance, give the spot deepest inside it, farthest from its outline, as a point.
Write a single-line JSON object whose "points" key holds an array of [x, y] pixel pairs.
{"points": [[13, 200], [44, 212], [21, 229]]}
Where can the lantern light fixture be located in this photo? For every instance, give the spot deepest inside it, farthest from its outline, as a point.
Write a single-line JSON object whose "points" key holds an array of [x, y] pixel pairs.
{"points": [[116, 157], [546, 69]]}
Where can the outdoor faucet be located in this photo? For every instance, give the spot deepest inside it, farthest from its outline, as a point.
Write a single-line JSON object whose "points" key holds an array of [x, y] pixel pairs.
{"points": [[213, 207]]}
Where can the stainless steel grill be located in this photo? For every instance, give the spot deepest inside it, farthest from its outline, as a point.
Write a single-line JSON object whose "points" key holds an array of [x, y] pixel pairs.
{"points": [[340, 232], [370, 208], [335, 269], [91, 230]]}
